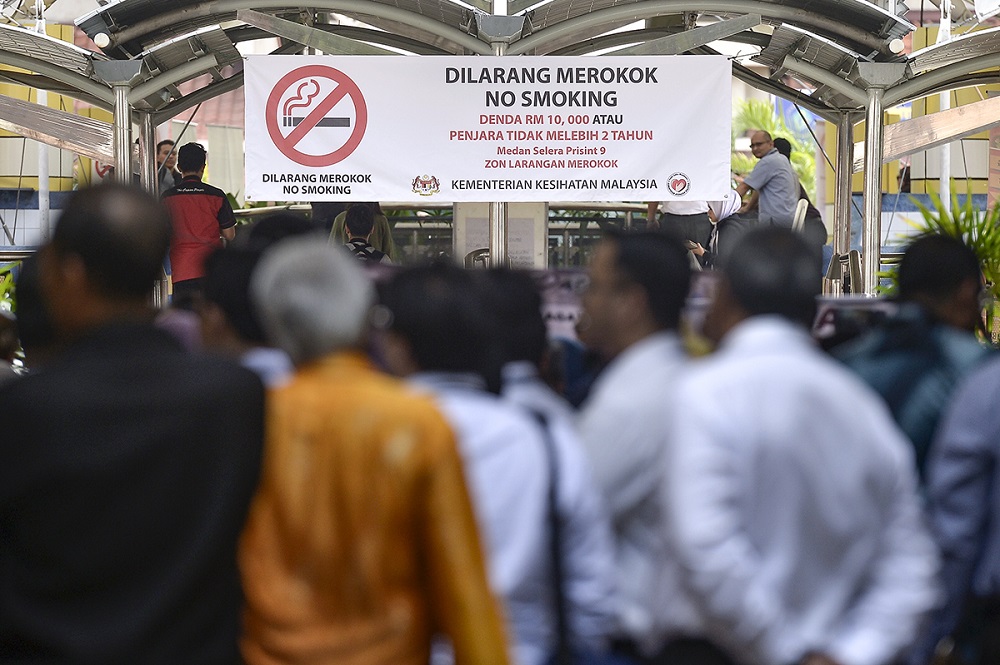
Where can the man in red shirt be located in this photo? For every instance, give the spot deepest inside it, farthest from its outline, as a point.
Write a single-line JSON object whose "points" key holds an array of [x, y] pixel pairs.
{"points": [[201, 216]]}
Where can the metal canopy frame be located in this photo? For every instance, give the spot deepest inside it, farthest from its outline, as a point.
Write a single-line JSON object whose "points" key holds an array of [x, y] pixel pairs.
{"points": [[815, 52], [812, 46]]}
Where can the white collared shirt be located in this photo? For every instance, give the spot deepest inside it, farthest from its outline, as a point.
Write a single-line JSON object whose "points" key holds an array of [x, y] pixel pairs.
{"points": [[792, 505], [508, 473], [624, 431]]}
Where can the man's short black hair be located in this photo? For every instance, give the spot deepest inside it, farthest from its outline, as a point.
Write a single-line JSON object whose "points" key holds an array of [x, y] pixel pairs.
{"points": [[359, 220], [658, 262], [438, 310], [934, 266], [514, 299], [191, 157], [227, 284], [120, 232], [783, 146], [324, 213], [772, 270], [276, 227], [163, 143]]}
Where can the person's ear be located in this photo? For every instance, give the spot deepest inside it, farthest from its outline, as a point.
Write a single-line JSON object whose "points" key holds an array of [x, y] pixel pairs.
{"points": [[65, 287], [215, 328], [62, 272], [396, 353]]}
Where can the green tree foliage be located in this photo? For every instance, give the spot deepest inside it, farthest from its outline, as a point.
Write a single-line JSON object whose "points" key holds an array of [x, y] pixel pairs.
{"points": [[978, 229], [7, 286]]}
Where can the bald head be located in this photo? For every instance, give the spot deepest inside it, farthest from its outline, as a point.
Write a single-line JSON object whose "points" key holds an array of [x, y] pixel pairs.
{"points": [[120, 235], [760, 143]]}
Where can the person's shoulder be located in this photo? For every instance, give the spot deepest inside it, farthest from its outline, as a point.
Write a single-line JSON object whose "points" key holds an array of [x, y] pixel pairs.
{"points": [[213, 190], [963, 348], [24, 390], [398, 405], [214, 372]]}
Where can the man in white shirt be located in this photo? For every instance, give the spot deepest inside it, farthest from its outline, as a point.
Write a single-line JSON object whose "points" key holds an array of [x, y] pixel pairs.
{"points": [[791, 497], [439, 337], [632, 307]]}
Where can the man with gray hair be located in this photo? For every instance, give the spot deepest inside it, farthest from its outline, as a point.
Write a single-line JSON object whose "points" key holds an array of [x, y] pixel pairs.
{"points": [[790, 495], [361, 543]]}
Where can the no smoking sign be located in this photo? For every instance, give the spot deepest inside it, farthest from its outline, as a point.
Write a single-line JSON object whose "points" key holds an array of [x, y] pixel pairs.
{"points": [[316, 115]]}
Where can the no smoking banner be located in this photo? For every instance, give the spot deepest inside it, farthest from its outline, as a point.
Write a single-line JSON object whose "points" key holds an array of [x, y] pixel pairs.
{"points": [[316, 116], [484, 128]]}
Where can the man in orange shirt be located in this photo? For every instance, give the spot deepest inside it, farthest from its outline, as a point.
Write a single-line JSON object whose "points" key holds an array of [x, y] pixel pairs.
{"points": [[361, 544]]}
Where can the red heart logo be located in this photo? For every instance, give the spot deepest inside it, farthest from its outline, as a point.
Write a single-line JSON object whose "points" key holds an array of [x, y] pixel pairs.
{"points": [[677, 184]]}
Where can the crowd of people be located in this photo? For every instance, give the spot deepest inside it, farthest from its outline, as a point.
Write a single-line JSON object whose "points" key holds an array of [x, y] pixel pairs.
{"points": [[359, 466]]}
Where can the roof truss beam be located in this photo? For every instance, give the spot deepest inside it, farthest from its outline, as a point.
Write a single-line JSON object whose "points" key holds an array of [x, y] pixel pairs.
{"points": [[66, 131], [322, 40], [683, 42]]}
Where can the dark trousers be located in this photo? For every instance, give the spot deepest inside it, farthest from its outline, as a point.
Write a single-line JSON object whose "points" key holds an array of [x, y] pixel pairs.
{"points": [[977, 637], [696, 228], [187, 293], [685, 651]]}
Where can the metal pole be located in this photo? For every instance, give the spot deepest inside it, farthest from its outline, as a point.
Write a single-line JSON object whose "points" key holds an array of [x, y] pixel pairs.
{"points": [[122, 134], [944, 180], [498, 211], [43, 150], [499, 30], [871, 232], [843, 191], [43, 178], [120, 74], [148, 175]]}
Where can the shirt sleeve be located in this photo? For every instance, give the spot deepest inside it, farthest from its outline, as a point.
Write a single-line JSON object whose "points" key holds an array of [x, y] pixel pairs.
{"points": [[961, 472], [588, 549], [760, 175], [465, 608], [702, 505], [227, 218], [622, 452], [903, 586]]}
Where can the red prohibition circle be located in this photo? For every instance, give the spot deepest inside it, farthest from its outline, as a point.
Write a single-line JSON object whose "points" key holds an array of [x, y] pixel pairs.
{"points": [[345, 88]]}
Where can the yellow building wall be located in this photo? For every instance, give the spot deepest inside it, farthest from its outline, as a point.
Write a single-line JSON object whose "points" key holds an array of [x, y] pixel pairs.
{"points": [[976, 182], [921, 38], [19, 156]]}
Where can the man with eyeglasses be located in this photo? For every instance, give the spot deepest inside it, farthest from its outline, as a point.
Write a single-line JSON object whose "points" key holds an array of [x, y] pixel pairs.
{"points": [[631, 314], [772, 184]]}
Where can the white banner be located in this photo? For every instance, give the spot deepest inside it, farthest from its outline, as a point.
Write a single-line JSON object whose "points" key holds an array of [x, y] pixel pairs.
{"points": [[464, 128]]}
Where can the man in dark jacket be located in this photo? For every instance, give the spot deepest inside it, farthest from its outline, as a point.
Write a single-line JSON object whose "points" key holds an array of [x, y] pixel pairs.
{"points": [[126, 465]]}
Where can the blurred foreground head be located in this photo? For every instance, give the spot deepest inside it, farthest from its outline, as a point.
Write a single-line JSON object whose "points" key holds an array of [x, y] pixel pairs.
{"points": [[638, 286], [514, 299], [437, 322], [942, 274], [279, 226], [311, 298], [772, 271], [105, 254]]}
